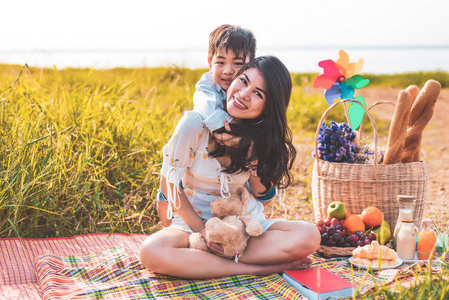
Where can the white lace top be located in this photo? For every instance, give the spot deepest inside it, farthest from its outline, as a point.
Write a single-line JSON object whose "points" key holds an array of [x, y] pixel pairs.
{"points": [[185, 158]]}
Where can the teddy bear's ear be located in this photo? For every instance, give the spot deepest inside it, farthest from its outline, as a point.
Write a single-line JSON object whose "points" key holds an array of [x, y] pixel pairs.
{"points": [[239, 191], [244, 194]]}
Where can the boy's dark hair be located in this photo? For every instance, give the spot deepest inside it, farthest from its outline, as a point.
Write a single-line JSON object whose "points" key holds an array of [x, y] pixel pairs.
{"points": [[234, 37]]}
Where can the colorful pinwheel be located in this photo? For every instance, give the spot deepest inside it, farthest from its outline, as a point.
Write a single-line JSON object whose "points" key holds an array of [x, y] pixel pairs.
{"points": [[340, 79]]}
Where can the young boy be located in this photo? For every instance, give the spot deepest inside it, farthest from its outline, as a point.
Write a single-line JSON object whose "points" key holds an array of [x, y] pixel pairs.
{"points": [[230, 47]]}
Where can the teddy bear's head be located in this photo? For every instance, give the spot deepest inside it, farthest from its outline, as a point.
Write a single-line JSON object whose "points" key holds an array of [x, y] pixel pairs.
{"points": [[236, 204]]}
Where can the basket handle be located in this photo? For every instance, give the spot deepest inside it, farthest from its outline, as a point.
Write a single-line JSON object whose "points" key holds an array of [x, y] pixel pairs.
{"points": [[374, 173], [369, 108]]}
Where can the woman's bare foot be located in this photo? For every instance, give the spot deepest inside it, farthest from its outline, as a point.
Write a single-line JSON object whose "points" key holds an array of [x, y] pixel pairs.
{"points": [[300, 264], [304, 263]]}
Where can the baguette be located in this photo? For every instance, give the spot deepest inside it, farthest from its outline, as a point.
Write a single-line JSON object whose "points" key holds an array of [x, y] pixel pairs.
{"points": [[398, 128], [414, 91], [420, 115]]}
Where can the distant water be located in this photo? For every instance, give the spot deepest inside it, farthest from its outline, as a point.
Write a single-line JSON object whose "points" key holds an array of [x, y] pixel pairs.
{"points": [[377, 60]]}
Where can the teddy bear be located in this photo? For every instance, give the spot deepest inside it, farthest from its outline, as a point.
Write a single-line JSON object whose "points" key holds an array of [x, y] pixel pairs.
{"points": [[230, 226]]}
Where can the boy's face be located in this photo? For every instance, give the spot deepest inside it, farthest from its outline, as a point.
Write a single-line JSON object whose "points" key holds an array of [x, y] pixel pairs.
{"points": [[224, 65]]}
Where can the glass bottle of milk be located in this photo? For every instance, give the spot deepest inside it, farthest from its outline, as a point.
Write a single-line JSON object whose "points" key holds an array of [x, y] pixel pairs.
{"points": [[406, 240], [406, 210]]}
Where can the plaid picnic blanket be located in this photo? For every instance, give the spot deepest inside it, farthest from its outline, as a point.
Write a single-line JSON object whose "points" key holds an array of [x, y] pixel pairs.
{"points": [[365, 280], [18, 279], [118, 274]]}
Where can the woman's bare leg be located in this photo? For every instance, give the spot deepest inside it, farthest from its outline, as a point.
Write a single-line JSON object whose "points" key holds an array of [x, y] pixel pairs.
{"points": [[284, 241], [166, 252]]}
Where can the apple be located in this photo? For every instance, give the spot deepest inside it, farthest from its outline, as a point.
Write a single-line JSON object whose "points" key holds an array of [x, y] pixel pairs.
{"points": [[336, 210]]}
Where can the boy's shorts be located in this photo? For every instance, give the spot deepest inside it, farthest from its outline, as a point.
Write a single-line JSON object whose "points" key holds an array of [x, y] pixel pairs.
{"points": [[267, 197], [160, 196]]}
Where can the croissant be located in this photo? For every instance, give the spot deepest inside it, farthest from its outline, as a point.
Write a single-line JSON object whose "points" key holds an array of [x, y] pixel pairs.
{"points": [[359, 252], [383, 262], [391, 254], [362, 261], [375, 262], [374, 255]]}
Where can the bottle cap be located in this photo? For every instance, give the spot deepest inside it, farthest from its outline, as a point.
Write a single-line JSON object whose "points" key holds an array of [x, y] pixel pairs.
{"points": [[426, 220], [406, 220], [406, 198]]}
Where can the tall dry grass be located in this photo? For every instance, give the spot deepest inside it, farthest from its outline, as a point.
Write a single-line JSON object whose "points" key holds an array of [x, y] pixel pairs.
{"points": [[80, 151], [80, 148]]}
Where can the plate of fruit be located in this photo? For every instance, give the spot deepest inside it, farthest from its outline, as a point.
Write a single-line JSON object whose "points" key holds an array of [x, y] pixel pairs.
{"points": [[341, 232]]}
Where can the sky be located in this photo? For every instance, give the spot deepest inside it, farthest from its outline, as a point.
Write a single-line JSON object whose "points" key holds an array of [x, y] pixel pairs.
{"points": [[175, 25]]}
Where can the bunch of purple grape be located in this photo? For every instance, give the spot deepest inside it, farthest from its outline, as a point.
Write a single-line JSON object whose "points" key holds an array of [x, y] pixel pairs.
{"points": [[333, 235], [335, 143]]}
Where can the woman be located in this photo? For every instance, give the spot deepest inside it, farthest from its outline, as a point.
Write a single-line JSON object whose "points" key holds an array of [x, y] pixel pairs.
{"points": [[197, 169]]}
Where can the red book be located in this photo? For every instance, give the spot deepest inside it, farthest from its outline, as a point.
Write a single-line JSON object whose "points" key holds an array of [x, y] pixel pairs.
{"points": [[318, 283]]}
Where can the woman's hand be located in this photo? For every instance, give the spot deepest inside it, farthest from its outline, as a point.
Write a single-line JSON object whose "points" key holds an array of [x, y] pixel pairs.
{"points": [[257, 187], [214, 247]]}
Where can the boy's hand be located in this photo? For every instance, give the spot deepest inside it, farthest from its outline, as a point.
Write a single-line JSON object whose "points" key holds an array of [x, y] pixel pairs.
{"points": [[226, 139], [226, 125]]}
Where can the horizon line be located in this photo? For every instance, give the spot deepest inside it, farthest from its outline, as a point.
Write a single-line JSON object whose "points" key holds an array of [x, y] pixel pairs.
{"points": [[271, 48]]}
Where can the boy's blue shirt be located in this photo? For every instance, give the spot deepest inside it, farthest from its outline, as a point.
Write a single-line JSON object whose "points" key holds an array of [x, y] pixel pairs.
{"points": [[209, 100]]}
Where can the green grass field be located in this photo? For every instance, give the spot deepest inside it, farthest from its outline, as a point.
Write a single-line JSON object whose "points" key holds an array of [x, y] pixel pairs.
{"points": [[80, 148]]}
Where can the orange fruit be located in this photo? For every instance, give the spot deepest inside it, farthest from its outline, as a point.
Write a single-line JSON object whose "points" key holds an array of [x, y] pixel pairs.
{"points": [[353, 223], [372, 216]]}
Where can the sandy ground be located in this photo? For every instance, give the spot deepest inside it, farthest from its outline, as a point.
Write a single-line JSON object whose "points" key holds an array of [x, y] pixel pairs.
{"points": [[435, 152]]}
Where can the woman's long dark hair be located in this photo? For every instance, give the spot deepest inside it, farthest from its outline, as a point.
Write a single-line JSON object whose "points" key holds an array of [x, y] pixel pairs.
{"points": [[269, 134]]}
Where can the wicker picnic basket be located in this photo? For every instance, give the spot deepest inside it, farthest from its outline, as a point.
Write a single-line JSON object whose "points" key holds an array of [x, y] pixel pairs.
{"points": [[329, 252], [361, 185]]}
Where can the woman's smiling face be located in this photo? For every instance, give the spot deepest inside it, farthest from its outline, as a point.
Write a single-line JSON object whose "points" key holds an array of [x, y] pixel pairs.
{"points": [[246, 95]]}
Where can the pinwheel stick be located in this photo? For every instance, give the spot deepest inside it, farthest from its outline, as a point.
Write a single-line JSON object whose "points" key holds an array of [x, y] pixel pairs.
{"points": [[347, 114]]}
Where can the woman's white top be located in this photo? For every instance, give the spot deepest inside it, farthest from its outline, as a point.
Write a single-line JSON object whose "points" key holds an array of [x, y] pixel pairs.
{"points": [[185, 158]]}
